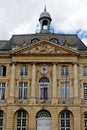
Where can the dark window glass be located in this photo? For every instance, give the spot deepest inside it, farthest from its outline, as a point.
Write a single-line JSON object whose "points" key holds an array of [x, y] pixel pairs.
{"points": [[21, 120], [24, 70], [2, 70]]}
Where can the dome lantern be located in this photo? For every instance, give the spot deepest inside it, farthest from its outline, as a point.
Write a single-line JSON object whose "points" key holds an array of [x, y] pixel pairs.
{"points": [[45, 20]]}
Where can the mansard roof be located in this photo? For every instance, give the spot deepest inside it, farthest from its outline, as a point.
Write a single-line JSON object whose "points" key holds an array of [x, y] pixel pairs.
{"points": [[70, 40]]}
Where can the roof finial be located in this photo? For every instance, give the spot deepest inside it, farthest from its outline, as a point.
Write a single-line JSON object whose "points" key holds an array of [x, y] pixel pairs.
{"points": [[45, 8]]}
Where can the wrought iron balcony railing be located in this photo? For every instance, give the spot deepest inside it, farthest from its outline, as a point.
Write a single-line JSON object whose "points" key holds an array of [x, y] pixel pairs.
{"points": [[44, 31], [65, 101]]}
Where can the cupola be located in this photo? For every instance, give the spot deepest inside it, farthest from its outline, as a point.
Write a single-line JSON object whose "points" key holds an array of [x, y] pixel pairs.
{"points": [[45, 20]]}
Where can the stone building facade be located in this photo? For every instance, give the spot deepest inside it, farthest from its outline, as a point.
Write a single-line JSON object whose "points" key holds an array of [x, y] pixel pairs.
{"points": [[43, 81]]}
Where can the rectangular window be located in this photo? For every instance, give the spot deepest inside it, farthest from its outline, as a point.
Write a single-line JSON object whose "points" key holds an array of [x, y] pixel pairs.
{"points": [[65, 90], [44, 93], [2, 91], [24, 70], [64, 71], [23, 88], [2, 70], [85, 91], [44, 90], [85, 71]]}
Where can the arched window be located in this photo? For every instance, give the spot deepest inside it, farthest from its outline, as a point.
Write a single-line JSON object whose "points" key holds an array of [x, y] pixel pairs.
{"points": [[1, 120], [44, 88], [85, 120], [43, 120], [21, 120], [65, 123], [43, 113], [45, 24]]}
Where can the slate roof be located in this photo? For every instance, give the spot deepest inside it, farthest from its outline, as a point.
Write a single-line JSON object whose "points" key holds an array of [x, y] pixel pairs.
{"points": [[2, 43], [19, 40]]}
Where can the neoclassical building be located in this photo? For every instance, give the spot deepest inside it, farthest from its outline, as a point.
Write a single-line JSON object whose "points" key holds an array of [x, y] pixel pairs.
{"points": [[43, 81]]}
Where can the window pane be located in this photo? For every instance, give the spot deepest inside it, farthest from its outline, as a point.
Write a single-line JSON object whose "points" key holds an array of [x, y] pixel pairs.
{"points": [[1, 120], [65, 90], [44, 88], [85, 120], [24, 122], [64, 71], [1, 70], [24, 70], [18, 128], [4, 70], [23, 88], [2, 91], [41, 93], [84, 71], [85, 91], [21, 120], [63, 123], [68, 123], [65, 120]]}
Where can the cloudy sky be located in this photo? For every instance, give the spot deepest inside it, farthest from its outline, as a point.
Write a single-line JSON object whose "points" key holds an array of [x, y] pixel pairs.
{"points": [[21, 17]]}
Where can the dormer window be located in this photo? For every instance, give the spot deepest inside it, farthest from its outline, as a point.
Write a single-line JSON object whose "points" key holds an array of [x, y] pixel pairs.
{"points": [[54, 40], [2, 70], [35, 40]]}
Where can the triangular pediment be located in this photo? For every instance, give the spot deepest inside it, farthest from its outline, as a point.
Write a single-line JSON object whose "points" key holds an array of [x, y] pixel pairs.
{"points": [[44, 47]]}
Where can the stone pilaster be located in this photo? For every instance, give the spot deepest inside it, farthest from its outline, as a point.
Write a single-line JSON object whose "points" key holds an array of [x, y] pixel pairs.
{"points": [[33, 84], [54, 87], [75, 76], [12, 85]]}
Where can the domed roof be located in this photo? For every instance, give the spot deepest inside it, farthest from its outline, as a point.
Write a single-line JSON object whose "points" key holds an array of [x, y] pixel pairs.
{"points": [[45, 14]]}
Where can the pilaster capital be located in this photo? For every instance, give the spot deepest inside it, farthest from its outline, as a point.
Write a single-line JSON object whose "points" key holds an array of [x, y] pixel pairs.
{"points": [[33, 63], [75, 63], [54, 63], [12, 63]]}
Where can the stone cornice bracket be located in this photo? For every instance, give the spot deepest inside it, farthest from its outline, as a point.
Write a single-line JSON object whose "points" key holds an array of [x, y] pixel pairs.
{"points": [[54, 63], [13, 62], [65, 108], [34, 62], [73, 63]]}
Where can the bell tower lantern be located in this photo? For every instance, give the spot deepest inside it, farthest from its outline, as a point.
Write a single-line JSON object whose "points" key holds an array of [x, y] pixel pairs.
{"points": [[45, 20]]}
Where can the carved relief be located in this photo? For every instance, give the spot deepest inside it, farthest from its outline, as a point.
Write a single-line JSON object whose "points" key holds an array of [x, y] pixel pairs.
{"points": [[43, 49]]}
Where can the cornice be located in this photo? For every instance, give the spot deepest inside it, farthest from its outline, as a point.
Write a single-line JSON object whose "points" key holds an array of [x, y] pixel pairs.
{"points": [[40, 45], [46, 54]]}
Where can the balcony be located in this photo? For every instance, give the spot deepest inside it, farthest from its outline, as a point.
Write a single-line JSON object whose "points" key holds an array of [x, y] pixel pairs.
{"points": [[84, 101], [65, 101], [21, 101], [2, 101], [43, 101], [44, 31]]}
